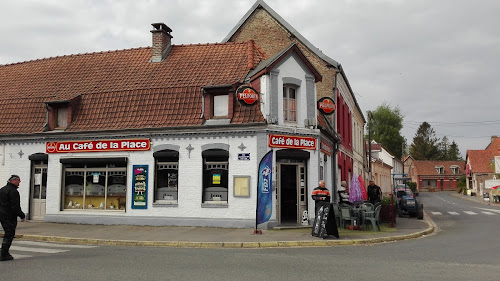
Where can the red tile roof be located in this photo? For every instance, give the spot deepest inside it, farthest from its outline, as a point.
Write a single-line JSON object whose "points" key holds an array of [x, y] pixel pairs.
{"points": [[481, 160], [494, 144], [122, 89], [428, 167]]}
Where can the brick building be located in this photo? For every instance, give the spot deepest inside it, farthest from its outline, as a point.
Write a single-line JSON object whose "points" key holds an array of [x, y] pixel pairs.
{"points": [[434, 175], [480, 166], [272, 33]]}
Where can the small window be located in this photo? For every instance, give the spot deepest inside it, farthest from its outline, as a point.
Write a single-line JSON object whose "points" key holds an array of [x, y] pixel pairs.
{"points": [[439, 169], [289, 104], [220, 106], [62, 117]]}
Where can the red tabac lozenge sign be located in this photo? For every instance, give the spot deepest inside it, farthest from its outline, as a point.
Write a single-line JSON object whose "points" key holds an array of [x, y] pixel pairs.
{"points": [[95, 146], [326, 105], [247, 95]]}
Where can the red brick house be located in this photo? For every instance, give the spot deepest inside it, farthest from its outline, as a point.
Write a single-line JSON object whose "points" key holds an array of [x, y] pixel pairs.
{"points": [[435, 175], [480, 166]]}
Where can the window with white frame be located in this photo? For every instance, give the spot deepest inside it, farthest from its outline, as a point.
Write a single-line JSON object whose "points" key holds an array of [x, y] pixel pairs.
{"points": [[289, 103], [439, 169], [62, 117], [455, 169], [220, 106], [166, 176]]}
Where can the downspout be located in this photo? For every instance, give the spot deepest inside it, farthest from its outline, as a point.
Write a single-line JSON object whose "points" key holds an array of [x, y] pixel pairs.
{"points": [[335, 147]]}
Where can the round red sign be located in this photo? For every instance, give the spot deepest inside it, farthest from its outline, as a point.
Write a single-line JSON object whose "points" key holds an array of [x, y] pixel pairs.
{"points": [[246, 94], [326, 105], [51, 147]]}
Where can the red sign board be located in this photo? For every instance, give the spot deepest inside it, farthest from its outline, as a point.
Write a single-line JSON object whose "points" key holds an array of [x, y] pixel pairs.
{"points": [[296, 142], [246, 94], [326, 105], [96, 146], [326, 148]]}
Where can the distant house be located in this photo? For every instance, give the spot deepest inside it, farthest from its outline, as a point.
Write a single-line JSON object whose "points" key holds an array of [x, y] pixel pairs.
{"points": [[480, 166], [384, 167], [433, 175]]}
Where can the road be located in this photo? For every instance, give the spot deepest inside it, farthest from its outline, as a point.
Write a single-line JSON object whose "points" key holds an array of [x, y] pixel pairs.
{"points": [[465, 247]]}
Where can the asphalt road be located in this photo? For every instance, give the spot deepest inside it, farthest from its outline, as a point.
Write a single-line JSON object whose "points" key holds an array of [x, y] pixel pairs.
{"points": [[465, 247]]}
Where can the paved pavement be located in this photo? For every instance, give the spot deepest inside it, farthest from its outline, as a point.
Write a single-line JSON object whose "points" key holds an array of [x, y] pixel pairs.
{"points": [[206, 237], [169, 236]]}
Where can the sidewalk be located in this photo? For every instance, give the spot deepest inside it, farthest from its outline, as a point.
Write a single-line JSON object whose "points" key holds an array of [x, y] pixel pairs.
{"points": [[477, 199], [196, 237]]}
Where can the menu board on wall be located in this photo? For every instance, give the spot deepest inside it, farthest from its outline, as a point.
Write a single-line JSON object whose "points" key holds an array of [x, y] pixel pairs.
{"points": [[140, 187]]}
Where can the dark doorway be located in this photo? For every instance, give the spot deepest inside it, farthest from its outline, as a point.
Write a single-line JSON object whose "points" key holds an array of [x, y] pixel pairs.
{"points": [[288, 190]]}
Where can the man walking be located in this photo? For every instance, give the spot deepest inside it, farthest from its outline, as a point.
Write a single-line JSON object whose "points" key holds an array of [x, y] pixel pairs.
{"points": [[374, 192], [10, 209]]}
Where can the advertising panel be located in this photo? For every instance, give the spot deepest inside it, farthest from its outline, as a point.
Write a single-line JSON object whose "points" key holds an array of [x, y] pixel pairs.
{"points": [[98, 146], [295, 142]]}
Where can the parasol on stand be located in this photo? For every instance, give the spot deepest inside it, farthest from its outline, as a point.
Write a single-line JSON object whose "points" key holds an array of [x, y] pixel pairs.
{"points": [[363, 188], [355, 193]]}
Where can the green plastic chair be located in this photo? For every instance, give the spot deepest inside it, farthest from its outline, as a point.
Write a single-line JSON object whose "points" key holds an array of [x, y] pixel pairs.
{"points": [[346, 214], [374, 218]]}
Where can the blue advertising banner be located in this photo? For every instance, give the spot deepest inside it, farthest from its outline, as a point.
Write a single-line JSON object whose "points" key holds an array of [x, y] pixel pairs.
{"points": [[264, 189]]}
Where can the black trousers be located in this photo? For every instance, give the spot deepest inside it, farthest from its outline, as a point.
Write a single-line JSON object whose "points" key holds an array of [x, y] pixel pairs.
{"points": [[9, 228]]}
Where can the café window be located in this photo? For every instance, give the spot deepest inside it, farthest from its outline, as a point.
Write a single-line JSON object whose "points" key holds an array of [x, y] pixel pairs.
{"points": [[94, 184], [215, 176], [290, 104], [166, 176]]}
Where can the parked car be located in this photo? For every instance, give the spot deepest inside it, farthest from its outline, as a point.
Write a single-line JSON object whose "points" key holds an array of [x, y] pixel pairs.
{"points": [[406, 203]]}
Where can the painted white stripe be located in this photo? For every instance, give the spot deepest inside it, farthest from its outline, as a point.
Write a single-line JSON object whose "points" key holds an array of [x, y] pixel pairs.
{"points": [[453, 213], [470, 213], [488, 213], [37, 250], [490, 210], [52, 245], [436, 213], [20, 257]]}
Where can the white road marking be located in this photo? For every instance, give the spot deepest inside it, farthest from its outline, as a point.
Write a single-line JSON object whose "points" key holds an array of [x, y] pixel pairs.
{"points": [[436, 213], [488, 213], [490, 210], [453, 213], [470, 213], [37, 250], [51, 245], [20, 257]]}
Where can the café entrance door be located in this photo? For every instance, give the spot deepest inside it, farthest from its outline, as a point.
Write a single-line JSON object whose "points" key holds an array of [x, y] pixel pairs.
{"points": [[291, 192], [38, 190]]}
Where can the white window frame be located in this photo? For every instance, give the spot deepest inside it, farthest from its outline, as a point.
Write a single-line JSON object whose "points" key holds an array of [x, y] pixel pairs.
{"points": [[220, 106], [288, 113]]}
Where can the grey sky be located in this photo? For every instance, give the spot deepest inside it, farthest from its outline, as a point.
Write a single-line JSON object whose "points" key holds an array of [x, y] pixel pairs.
{"points": [[435, 60]]}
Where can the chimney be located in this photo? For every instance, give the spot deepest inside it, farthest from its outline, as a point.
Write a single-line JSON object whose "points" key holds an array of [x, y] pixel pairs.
{"points": [[161, 41]]}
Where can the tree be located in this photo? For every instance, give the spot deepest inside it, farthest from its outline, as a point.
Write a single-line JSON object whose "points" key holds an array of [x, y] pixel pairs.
{"points": [[385, 124], [425, 143], [447, 151]]}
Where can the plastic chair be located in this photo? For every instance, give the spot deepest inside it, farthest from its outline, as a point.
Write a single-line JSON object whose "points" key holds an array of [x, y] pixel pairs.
{"points": [[346, 214], [374, 218]]}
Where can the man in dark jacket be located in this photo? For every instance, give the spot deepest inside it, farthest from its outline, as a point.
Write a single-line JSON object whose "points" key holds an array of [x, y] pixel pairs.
{"points": [[10, 209], [374, 192]]}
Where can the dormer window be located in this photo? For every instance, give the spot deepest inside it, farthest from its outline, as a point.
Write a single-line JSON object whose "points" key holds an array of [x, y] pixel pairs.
{"points": [[218, 103], [59, 113], [439, 169], [455, 169]]}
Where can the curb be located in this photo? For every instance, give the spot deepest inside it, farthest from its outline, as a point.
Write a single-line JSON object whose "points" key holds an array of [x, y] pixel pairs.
{"points": [[231, 245]]}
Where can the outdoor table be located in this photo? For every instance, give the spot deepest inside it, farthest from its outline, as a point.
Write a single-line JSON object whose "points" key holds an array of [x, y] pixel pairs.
{"points": [[358, 212]]}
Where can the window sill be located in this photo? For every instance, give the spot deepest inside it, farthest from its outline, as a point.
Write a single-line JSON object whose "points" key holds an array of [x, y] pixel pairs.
{"points": [[165, 204], [214, 204], [221, 121]]}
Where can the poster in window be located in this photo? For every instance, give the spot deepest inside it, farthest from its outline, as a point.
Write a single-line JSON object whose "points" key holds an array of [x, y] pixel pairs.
{"points": [[140, 187], [216, 179]]}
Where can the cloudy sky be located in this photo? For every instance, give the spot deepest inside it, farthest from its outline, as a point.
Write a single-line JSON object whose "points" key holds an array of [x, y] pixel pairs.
{"points": [[434, 59]]}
